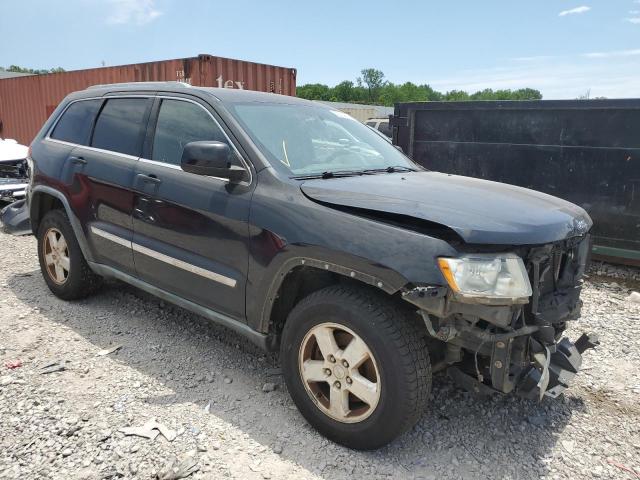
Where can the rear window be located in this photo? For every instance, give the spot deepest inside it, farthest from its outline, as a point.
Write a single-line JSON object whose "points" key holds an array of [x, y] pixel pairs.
{"points": [[119, 127], [75, 123]]}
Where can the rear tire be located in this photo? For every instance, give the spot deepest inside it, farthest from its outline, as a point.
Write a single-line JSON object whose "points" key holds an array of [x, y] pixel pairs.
{"points": [[62, 263], [397, 367]]}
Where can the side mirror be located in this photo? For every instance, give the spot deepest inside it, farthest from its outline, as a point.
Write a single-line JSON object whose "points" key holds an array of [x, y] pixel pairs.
{"points": [[212, 159]]}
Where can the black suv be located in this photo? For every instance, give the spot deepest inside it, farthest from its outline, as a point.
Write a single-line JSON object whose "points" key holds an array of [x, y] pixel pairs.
{"points": [[303, 230]]}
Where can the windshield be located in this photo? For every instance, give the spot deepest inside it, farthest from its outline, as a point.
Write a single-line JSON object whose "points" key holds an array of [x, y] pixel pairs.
{"points": [[305, 140]]}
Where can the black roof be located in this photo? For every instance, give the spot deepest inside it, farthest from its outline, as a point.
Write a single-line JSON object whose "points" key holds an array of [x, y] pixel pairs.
{"points": [[225, 95]]}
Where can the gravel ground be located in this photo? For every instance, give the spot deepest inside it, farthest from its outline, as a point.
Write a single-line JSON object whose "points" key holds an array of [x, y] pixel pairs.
{"points": [[216, 392]]}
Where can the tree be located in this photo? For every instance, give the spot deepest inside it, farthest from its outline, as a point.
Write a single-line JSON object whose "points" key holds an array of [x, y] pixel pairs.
{"points": [[373, 79], [345, 91], [314, 91], [371, 87], [18, 69], [456, 96]]}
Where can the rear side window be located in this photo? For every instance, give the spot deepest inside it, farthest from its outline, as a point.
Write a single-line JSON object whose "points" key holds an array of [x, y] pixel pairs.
{"points": [[75, 123], [178, 124], [120, 126]]}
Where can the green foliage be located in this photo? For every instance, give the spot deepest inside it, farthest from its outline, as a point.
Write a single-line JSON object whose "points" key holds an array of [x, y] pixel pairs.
{"points": [[374, 81], [372, 88], [18, 69]]}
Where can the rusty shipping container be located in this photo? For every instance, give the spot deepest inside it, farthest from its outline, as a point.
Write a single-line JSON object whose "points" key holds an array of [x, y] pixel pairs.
{"points": [[26, 102]]}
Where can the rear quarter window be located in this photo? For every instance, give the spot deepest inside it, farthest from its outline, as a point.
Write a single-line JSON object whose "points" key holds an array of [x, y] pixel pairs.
{"points": [[120, 126], [75, 123]]}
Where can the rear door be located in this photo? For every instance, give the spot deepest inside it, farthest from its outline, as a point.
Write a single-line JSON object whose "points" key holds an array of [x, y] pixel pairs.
{"points": [[190, 231], [104, 171]]}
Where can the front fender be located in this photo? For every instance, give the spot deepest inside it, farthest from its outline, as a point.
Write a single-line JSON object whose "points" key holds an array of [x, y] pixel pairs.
{"points": [[287, 228]]}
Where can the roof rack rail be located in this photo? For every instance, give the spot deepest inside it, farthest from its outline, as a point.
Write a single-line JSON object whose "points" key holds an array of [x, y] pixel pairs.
{"points": [[140, 84]]}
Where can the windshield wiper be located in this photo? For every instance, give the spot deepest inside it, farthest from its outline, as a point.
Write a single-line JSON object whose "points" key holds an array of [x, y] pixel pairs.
{"points": [[351, 173], [390, 169], [330, 174]]}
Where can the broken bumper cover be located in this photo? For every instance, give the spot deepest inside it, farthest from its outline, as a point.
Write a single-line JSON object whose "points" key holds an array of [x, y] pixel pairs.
{"points": [[14, 219], [552, 372], [537, 372]]}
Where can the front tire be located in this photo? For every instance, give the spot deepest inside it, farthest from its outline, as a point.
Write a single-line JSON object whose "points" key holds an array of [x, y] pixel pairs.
{"points": [[356, 366], [62, 263]]}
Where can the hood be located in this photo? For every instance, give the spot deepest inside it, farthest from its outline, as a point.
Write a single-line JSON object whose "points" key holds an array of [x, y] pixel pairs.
{"points": [[11, 150], [479, 211]]}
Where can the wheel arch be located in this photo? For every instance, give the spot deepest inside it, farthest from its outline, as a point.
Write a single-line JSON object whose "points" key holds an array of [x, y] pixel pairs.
{"points": [[43, 199], [301, 276]]}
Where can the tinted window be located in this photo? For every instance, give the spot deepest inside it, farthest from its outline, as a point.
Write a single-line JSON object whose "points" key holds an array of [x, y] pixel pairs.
{"points": [[178, 124], [372, 124], [75, 124], [119, 126]]}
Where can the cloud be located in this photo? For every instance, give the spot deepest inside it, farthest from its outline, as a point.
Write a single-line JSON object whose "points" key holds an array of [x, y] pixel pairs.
{"points": [[138, 12], [634, 20], [573, 11], [614, 53], [535, 58]]}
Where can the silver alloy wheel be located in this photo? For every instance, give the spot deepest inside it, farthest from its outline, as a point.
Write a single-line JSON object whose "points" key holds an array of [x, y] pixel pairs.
{"points": [[56, 255], [339, 372]]}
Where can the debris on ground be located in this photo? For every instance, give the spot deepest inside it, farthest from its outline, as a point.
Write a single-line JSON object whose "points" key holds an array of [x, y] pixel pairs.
{"points": [[108, 351], [12, 364], [623, 467], [634, 297], [52, 368], [150, 430], [176, 469]]}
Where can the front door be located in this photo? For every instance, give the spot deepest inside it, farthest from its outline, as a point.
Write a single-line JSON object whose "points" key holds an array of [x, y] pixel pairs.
{"points": [[190, 231]]}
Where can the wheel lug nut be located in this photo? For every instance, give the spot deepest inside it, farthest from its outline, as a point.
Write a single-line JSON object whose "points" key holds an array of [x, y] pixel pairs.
{"points": [[327, 371], [345, 364], [337, 385], [349, 381], [332, 359]]}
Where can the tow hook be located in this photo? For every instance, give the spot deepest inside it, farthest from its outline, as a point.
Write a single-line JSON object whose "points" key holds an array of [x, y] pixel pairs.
{"points": [[553, 374]]}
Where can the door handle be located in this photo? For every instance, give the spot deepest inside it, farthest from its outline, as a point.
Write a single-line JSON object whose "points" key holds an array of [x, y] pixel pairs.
{"points": [[143, 215], [149, 178], [78, 160]]}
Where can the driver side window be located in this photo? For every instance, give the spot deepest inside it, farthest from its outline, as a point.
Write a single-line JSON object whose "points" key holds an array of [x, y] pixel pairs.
{"points": [[179, 123]]}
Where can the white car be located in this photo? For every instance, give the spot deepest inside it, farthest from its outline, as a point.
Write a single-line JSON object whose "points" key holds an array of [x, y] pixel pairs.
{"points": [[13, 170], [380, 124]]}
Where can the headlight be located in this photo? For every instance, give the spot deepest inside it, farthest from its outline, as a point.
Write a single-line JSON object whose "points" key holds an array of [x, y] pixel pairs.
{"points": [[487, 276]]}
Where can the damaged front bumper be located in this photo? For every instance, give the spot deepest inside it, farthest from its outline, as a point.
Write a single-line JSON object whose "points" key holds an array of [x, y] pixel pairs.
{"points": [[12, 189], [512, 347], [14, 179], [14, 218], [551, 373]]}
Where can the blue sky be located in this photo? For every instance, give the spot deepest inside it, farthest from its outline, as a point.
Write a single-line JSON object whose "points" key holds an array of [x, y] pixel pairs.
{"points": [[561, 47]]}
